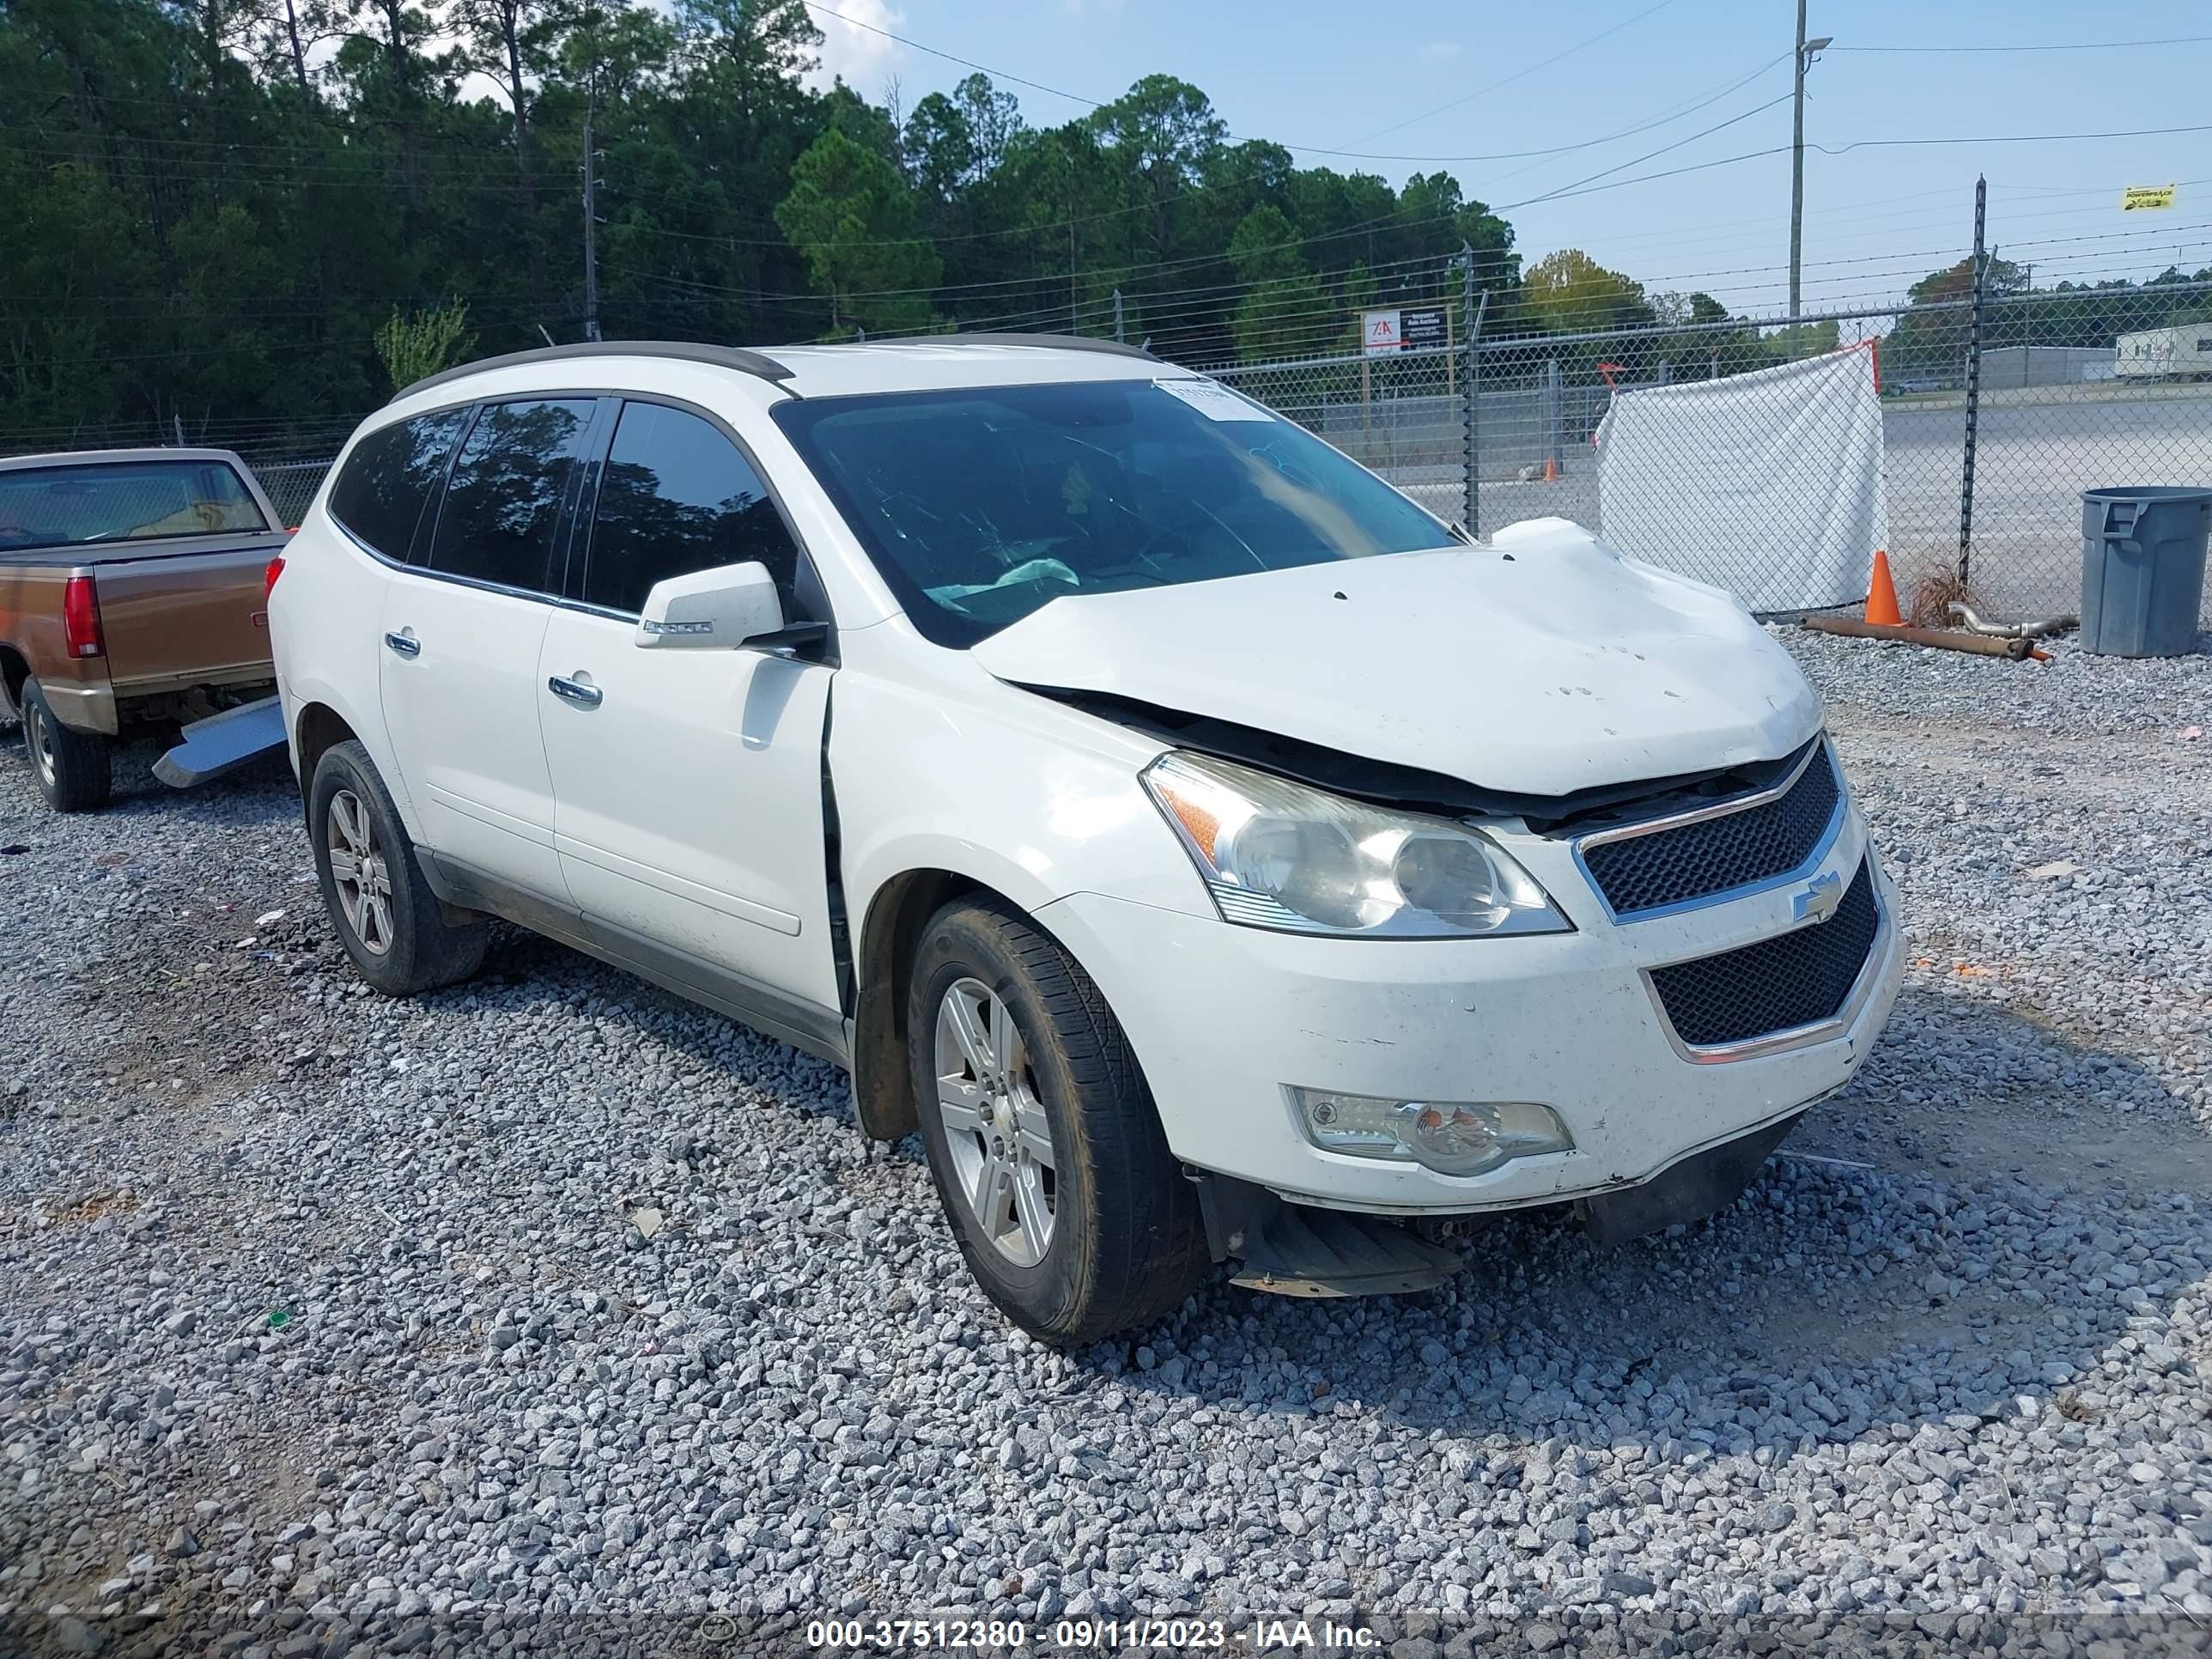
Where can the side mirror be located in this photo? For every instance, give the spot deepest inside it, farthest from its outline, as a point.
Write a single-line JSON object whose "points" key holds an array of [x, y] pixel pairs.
{"points": [[711, 609]]}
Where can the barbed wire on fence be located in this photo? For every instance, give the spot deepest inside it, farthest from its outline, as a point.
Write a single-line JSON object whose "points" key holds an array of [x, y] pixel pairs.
{"points": [[2079, 388], [2081, 384]]}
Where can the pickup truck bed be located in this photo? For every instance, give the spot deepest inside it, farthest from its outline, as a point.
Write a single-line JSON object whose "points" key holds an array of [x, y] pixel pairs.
{"points": [[187, 617], [101, 638]]}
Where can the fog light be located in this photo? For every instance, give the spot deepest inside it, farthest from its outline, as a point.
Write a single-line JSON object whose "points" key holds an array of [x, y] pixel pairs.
{"points": [[1461, 1138]]}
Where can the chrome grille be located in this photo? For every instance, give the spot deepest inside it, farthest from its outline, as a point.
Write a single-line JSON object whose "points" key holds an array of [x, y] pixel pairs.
{"points": [[1657, 869], [1794, 979]]}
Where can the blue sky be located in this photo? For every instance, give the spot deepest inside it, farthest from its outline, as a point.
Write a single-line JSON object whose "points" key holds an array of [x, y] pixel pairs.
{"points": [[1307, 74]]}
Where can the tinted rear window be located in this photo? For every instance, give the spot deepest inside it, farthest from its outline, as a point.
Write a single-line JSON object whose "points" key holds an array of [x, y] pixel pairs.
{"points": [[503, 501], [389, 478], [123, 501]]}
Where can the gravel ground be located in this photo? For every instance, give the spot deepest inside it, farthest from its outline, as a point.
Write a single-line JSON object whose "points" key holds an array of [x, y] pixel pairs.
{"points": [[548, 1312]]}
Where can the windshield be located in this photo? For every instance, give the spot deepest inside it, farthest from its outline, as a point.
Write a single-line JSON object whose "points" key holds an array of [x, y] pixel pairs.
{"points": [[981, 505], [71, 505]]}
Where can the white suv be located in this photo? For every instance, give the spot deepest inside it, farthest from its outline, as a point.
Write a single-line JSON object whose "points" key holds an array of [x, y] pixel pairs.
{"points": [[1214, 855]]}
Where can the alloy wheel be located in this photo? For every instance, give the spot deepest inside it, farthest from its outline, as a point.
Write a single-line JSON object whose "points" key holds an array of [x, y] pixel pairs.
{"points": [[995, 1126], [360, 872]]}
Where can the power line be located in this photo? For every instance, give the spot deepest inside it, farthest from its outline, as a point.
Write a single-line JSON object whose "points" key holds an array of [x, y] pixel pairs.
{"points": [[1866, 305], [808, 300], [1709, 236], [949, 57], [1556, 149], [2078, 46], [2006, 138], [1584, 186], [1509, 80], [1673, 112], [1575, 189], [1283, 143], [1843, 149], [1569, 192]]}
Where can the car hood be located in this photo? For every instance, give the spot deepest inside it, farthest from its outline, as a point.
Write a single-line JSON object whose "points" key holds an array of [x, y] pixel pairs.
{"points": [[1541, 665]]}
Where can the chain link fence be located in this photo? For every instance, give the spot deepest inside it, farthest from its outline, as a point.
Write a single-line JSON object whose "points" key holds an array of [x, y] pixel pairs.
{"points": [[2068, 390], [291, 486]]}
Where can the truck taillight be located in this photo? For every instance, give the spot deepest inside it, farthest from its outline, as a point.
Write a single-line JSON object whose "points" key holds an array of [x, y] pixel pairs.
{"points": [[269, 577], [81, 618]]}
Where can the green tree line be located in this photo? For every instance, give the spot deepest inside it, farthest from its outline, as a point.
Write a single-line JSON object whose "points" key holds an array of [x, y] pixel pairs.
{"points": [[251, 217], [1930, 339], [211, 210]]}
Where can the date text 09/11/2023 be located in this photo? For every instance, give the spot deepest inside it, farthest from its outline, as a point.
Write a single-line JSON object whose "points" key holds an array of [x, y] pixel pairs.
{"points": [[1254, 1634]]}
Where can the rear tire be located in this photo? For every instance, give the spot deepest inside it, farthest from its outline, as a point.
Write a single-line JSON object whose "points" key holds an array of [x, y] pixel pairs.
{"points": [[389, 920], [74, 770], [1048, 1152]]}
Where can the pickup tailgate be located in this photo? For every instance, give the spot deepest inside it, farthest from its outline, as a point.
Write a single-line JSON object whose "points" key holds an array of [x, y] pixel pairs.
{"points": [[196, 615]]}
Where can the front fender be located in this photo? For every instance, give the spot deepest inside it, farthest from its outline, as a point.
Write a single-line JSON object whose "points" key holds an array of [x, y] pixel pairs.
{"points": [[967, 784], [1008, 790]]}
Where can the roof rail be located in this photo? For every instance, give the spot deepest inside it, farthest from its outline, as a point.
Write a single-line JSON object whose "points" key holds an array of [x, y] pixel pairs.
{"points": [[1048, 342], [745, 363]]}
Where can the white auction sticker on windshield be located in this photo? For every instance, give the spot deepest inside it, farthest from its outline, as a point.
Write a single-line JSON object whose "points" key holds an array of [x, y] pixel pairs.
{"points": [[1213, 400]]}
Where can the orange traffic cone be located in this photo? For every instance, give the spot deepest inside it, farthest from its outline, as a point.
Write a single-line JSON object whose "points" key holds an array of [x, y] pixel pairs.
{"points": [[1882, 595], [1551, 469]]}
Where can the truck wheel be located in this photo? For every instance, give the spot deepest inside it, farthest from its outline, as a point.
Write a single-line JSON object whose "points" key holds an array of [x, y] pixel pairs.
{"points": [[1050, 1159], [389, 920], [74, 769]]}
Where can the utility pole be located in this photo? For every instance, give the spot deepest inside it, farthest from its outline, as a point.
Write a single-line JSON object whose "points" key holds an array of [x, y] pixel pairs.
{"points": [[1074, 325], [1974, 384], [1805, 51], [1471, 388], [1117, 317], [591, 217]]}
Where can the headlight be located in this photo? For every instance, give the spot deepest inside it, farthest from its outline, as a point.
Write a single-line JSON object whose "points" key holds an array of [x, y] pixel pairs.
{"points": [[1276, 854]]}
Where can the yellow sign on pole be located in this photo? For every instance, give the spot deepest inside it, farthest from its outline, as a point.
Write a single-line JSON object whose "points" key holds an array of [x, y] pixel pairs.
{"points": [[2136, 198]]}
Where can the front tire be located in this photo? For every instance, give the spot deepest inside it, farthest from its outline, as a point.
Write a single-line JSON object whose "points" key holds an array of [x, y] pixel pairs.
{"points": [[1046, 1150], [389, 920], [74, 770]]}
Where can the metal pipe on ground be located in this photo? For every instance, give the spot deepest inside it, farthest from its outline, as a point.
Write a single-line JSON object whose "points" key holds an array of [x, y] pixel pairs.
{"points": [[1943, 639], [2019, 630]]}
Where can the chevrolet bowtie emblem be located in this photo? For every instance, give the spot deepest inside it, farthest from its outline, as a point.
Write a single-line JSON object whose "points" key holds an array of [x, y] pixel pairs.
{"points": [[1819, 901]]}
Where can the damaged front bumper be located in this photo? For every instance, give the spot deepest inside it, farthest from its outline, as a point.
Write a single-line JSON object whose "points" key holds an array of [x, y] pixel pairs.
{"points": [[1227, 1020], [1297, 1250]]}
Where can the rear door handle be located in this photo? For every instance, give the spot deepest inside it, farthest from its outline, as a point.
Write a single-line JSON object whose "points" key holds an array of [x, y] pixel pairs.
{"points": [[575, 691], [405, 644]]}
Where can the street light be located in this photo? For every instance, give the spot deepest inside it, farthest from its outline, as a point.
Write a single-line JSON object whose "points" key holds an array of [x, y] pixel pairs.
{"points": [[1806, 49]]}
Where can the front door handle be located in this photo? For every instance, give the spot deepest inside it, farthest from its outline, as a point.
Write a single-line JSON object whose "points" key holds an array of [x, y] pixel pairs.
{"points": [[575, 691], [405, 644]]}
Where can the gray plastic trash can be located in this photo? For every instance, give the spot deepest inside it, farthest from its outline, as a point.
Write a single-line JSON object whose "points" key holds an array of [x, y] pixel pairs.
{"points": [[2142, 569]]}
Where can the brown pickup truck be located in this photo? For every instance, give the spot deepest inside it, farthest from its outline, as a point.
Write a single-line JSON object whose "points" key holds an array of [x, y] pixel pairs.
{"points": [[133, 594]]}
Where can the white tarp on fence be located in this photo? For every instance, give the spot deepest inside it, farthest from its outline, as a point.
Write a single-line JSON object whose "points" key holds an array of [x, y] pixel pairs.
{"points": [[1767, 484]]}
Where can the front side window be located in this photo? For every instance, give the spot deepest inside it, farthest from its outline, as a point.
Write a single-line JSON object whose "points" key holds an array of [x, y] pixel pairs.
{"points": [[503, 501], [981, 505], [676, 496], [123, 501], [389, 479]]}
